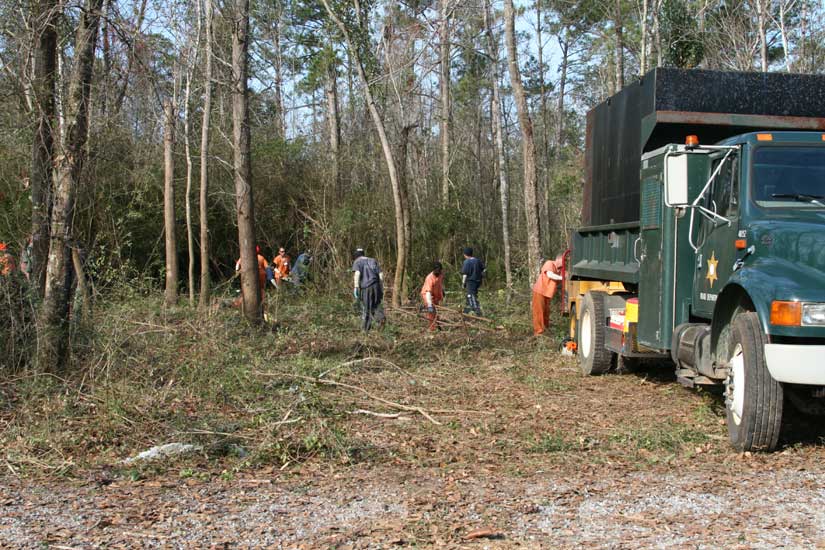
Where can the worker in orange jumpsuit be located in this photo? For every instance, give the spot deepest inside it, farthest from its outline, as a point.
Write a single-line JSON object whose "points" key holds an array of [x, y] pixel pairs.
{"points": [[281, 263], [543, 290], [7, 264], [432, 292], [262, 265]]}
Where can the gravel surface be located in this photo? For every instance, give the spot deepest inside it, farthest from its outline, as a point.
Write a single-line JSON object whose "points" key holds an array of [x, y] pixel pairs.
{"points": [[736, 505]]}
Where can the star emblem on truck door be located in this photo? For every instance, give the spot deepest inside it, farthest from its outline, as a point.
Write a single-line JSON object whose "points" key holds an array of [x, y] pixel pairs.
{"points": [[712, 262]]}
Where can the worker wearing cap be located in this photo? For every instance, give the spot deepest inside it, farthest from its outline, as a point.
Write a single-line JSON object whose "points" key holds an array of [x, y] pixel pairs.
{"points": [[262, 266], [432, 292], [543, 290], [472, 273], [281, 263], [368, 288], [7, 264]]}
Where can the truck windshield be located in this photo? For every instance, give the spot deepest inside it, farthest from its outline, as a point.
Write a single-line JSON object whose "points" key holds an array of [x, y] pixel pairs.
{"points": [[789, 177]]}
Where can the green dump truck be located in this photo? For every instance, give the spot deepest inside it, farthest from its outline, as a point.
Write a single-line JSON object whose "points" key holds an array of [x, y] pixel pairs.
{"points": [[703, 240]]}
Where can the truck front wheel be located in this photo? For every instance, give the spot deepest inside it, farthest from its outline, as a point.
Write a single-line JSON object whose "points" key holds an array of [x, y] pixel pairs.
{"points": [[753, 399], [594, 358]]}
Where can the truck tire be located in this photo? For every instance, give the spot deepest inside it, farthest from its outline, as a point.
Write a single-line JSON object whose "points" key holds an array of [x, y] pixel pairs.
{"points": [[594, 358], [753, 399]]}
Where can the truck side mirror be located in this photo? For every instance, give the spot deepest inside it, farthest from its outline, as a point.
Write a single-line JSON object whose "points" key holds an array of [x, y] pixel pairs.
{"points": [[676, 180]]}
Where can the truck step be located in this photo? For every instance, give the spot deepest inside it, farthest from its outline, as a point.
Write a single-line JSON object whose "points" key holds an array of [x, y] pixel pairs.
{"points": [[690, 379]]}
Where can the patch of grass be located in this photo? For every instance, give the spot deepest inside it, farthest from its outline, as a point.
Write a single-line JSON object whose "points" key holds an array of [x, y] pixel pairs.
{"points": [[665, 437], [553, 442]]}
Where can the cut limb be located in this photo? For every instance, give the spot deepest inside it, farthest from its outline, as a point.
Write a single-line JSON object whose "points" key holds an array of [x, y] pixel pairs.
{"points": [[387, 402], [379, 415]]}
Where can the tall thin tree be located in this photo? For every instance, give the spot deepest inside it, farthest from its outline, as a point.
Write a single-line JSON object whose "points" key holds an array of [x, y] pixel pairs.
{"points": [[501, 165], [44, 25], [250, 287], [53, 337], [203, 207], [171, 294], [528, 145], [389, 157], [444, 85]]}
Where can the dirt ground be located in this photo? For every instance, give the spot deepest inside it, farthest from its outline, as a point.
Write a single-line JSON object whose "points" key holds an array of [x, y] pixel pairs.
{"points": [[465, 439]]}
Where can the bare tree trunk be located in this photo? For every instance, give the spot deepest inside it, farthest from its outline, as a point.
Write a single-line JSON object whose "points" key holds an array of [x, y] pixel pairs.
{"points": [[405, 203], [501, 166], [190, 241], [279, 79], [401, 243], [542, 86], [543, 170], [171, 294], [564, 46], [531, 210], [82, 285], [333, 123], [619, 46], [657, 35], [204, 168], [54, 313], [444, 52], [762, 21], [250, 287], [783, 31], [141, 14], [187, 127], [643, 45], [45, 79]]}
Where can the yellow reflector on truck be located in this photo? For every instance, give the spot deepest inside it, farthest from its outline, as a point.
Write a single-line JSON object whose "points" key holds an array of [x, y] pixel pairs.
{"points": [[631, 313], [764, 137], [787, 314]]}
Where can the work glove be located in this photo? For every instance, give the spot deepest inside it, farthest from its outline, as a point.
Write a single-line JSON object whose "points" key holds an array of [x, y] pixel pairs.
{"points": [[355, 293], [430, 308]]}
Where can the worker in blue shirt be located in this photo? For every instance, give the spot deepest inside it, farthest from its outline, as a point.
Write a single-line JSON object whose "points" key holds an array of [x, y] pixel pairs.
{"points": [[472, 273]]}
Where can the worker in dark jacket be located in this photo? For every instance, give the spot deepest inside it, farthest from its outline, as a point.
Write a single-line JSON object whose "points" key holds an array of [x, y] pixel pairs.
{"points": [[368, 288], [472, 273]]}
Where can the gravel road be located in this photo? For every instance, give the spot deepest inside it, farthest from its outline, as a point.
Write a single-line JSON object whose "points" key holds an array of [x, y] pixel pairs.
{"points": [[738, 504]]}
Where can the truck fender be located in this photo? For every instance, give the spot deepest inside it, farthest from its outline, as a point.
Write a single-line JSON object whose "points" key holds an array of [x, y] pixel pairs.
{"points": [[746, 290]]}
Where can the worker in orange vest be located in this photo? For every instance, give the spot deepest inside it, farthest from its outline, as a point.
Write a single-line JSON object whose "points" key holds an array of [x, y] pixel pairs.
{"points": [[281, 262], [7, 264], [262, 265], [543, 290], [432, 292]]}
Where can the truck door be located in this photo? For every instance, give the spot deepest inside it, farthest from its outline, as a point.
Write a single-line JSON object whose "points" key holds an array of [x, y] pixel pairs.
{"points": [[649, 255], [716, 238]]}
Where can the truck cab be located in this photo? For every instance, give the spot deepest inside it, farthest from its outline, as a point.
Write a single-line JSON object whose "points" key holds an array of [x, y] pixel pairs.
{"points": [[757, 303], [708, 248]]}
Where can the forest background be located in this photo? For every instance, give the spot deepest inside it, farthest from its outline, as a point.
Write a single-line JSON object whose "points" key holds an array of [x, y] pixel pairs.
{"points": [[409, 128]]}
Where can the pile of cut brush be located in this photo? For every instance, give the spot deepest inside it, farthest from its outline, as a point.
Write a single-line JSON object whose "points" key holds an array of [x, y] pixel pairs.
{"points": [[449, 318]]}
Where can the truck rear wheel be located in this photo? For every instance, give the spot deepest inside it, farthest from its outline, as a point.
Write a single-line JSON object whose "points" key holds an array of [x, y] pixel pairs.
{"points": [[594, 358], [753, 399]]}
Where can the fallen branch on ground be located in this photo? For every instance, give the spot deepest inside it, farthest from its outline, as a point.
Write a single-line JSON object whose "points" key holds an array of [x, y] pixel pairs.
{"points": [[455, 324], [387, 402], [379, 415], [364, 360]]}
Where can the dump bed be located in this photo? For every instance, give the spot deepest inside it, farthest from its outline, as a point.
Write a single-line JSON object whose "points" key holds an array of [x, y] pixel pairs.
{"points": [[668, 104]]}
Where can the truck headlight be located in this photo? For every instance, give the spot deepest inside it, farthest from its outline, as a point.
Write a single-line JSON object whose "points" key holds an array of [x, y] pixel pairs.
{"points": [[813, 314]]}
